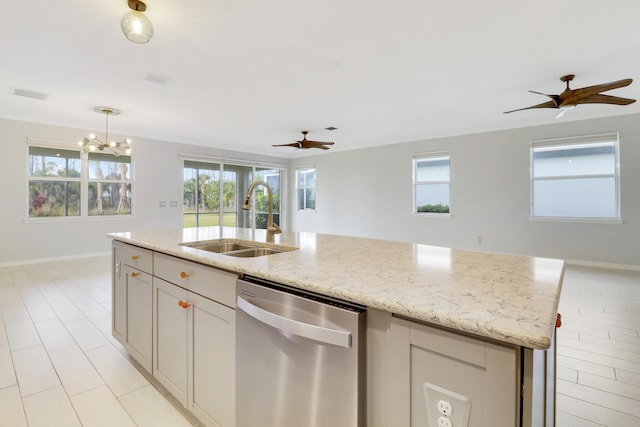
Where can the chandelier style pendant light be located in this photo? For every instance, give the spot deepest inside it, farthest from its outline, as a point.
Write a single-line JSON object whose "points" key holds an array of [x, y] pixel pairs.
{"points": [[93, 143], [135, 25]]}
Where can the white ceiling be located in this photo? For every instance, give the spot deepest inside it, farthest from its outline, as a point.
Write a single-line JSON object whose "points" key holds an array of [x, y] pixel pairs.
{"points": [[245, 74]]}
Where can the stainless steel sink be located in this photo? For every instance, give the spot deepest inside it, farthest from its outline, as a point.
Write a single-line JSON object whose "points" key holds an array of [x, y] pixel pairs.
{"points": [[253, 252], [217, 246], [241, 249]]}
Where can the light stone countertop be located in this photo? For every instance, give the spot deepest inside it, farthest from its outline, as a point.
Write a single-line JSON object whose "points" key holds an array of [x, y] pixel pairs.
{"points": [[508, 298]]}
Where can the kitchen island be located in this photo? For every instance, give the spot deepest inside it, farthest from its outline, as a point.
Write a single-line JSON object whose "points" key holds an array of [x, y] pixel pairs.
{"points": [[499, 300]]}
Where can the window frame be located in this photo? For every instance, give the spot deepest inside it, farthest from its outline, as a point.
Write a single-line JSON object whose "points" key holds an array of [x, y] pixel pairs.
{"points": [[83, 180], [306, 169], [584, 141], [430, 156], [255, 167]]}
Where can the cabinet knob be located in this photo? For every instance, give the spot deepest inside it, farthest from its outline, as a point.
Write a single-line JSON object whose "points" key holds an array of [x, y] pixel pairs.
{"points": [[134, 274], [134, 257], [558, 320], [184, 274], [183, 304]]}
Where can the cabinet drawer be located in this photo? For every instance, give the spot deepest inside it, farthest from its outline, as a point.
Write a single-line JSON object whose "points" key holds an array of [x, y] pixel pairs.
{"points": [[209, 282], [136, 257]]}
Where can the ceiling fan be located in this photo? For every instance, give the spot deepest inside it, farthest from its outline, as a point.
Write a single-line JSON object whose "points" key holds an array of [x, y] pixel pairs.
{"points": [[304, 143], [570, 98]]}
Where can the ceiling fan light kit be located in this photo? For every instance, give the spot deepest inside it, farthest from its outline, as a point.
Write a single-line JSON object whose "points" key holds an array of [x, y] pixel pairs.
{"points": [[305, 143], [135, 25], [570, 98]]}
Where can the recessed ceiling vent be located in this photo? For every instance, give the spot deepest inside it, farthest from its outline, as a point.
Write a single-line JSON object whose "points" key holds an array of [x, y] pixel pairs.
{"points": [[156, 78], [29, 93]]}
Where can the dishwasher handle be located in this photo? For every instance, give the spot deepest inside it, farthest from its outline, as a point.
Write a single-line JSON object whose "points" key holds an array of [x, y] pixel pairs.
{"points": [[285, 324]]}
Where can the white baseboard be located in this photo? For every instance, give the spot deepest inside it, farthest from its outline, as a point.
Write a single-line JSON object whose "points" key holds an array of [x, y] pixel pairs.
{"points": [[608, 265], [54, 259]]}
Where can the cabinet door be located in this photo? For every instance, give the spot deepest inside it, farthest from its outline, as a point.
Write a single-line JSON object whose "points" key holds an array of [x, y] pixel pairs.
{"points": [[118, 297], [212, 391], [171, 312], [139, 317], [427, 365]]}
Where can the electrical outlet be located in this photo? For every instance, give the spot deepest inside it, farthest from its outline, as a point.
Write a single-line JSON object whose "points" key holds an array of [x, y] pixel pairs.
{"points": [[442, 404], [444, 407]]}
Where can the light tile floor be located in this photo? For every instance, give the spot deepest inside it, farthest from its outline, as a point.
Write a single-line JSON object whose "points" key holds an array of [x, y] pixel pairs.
{"points": [[60, 366], [598, 375]]}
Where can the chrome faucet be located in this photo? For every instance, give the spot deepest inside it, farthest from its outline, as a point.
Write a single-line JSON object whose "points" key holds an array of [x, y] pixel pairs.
{"points": [[271, 227]]}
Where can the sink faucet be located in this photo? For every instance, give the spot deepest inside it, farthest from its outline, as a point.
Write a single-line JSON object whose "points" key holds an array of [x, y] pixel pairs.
{"points": [[271, 227]]}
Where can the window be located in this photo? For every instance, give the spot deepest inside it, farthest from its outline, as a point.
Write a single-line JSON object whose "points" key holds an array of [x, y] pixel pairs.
{"points": [[575, 178], [65, 182], [261, 197], [431, 174], [109, 184], [209, 202], [306, 186], [201, 195]]}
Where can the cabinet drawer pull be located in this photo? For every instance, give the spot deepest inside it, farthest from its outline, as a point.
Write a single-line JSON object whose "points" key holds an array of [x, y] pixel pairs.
{"points": [[134, 257], [134, 274], [184, 275], [183, 304]]}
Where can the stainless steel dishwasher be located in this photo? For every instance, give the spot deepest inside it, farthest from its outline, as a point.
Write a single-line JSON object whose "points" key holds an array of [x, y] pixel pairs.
{"points": [[300, 358]]}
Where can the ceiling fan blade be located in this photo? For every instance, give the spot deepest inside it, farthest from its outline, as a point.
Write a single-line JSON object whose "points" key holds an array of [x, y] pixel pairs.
{"points": [[604, 86], [316, 144], [606, 99], [293, 144], [554, 98], [548, 104], [304, 143], [308, 141]]}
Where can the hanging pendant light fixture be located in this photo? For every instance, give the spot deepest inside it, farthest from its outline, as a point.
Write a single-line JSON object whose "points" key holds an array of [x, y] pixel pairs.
{"points": [[135, 25], [93, 143]]}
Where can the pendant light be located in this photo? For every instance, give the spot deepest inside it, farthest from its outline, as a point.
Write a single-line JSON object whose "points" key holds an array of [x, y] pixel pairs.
{"points": [[93, 143], [135, 25]]}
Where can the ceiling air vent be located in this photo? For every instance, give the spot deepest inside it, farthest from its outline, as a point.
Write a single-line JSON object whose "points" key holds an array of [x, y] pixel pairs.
{"points": [[29, 93], [156, 78]]}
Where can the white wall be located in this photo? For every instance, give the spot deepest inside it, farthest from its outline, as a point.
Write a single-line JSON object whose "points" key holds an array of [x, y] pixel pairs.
{"points": [[360, 192], [158, 177], [368, 193]]}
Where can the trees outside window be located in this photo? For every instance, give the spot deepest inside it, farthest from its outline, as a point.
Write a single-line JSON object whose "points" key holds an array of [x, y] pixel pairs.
{"points": [[65, 182], [208, 202], [109, 184], [272, 178], [201, 194]]}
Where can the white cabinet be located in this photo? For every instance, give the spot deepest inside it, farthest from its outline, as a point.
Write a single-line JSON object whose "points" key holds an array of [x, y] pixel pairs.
{"points": [[194, 336], [139, 293], [412, 367], [478, 379], [119, 295], [170, 319], [131, 301], [177, 319], [213, 387]]}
